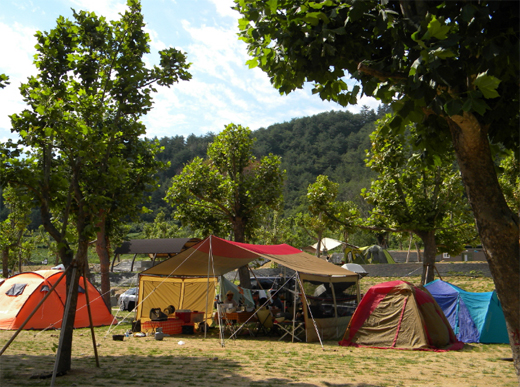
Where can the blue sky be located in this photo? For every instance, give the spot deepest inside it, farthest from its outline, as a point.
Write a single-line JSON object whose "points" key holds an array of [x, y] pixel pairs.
{"points": [[223, 89]]}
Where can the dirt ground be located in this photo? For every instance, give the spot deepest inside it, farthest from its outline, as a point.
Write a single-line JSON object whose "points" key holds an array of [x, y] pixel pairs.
{"points": [[193, 360]]}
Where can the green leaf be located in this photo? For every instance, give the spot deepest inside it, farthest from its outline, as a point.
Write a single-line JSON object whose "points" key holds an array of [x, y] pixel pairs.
{"points": [[273, 5], [453, 107], [436, 30], [442, 53], [488, 85], [40, 110], [252, 63]]}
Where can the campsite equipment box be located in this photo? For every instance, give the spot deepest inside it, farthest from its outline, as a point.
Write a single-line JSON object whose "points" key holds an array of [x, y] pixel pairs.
{"points": [[184, 315], [172, 326]]}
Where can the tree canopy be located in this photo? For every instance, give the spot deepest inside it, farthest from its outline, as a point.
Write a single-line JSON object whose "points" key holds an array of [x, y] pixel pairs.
{"points": [[230, 191], [451, 68], [413, 194], [79, 143]]}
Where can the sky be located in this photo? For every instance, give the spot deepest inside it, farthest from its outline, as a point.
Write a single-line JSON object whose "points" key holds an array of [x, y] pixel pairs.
{"points": [[222, 90]]}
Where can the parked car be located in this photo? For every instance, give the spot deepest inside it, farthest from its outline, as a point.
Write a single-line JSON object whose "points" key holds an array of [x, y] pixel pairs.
{"points": [[128, 299]]}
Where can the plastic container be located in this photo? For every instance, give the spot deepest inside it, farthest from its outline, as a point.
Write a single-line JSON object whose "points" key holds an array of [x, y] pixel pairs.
{"points": [[184, 315]]}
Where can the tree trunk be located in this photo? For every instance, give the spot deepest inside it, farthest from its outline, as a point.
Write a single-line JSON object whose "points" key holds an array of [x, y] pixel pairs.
{"points": [[104, 260], [5, 262], [243, 272], [430, 250], [497, 225], [64, 361], [318, 246]]}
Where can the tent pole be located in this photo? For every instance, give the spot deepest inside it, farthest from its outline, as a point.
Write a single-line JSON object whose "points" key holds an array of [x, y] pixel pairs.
{"points": [[153, 260], [220, 319], [34, 311], [294, 304], [335, 303], [90, 316], [358, 296], [63, 324], [207, 297]]}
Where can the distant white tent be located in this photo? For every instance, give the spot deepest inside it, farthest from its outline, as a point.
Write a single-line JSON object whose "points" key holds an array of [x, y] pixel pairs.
{"points": [[355, 268], [327, 244]]}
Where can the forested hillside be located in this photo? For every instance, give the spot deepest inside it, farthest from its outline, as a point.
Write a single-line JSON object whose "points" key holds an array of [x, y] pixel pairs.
{"points": [[331, 143]]}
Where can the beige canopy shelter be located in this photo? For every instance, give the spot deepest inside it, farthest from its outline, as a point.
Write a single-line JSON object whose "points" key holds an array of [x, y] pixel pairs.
{"points": [[188, 280]]}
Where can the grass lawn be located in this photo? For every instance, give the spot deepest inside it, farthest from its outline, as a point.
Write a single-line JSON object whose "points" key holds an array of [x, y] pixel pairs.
{"points": [[250, 361]]}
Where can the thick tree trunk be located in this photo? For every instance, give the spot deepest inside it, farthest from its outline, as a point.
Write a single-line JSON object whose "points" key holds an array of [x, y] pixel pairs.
{"points": [[64, 361], [104, 261], [430, 250], [497, 225]]}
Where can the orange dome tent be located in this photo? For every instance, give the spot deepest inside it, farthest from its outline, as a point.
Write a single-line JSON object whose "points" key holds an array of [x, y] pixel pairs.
{"points": [[21, 293]]}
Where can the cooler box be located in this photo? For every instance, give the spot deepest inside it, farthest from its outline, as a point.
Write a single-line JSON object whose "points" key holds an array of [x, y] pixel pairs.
{"points": [[184, 315]]}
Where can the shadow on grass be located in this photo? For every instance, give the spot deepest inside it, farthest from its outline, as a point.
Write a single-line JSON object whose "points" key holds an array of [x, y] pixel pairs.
{"points": [[133, 370]]}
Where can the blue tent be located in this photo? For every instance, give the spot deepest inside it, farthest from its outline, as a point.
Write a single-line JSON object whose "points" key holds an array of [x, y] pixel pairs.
{"points": [[474, 317]]}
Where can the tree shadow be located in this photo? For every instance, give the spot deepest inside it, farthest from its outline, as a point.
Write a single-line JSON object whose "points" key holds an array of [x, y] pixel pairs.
{"points": [[140, 370]]}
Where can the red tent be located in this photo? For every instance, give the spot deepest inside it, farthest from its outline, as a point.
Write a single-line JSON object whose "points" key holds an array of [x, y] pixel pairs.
{"points": [[21, 293], [399, 315]]}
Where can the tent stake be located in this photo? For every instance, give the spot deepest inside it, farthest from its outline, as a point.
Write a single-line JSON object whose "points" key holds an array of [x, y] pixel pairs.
{"points": [[90, 316], [33, 312]]}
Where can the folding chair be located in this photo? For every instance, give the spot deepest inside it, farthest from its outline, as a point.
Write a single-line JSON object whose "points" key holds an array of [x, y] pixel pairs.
{"points": [[265, 321], [287, 327]]}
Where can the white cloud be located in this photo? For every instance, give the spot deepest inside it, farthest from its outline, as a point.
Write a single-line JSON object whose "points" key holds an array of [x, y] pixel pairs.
{"points": [[224, 8], [110, 9], [18, 47]]}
